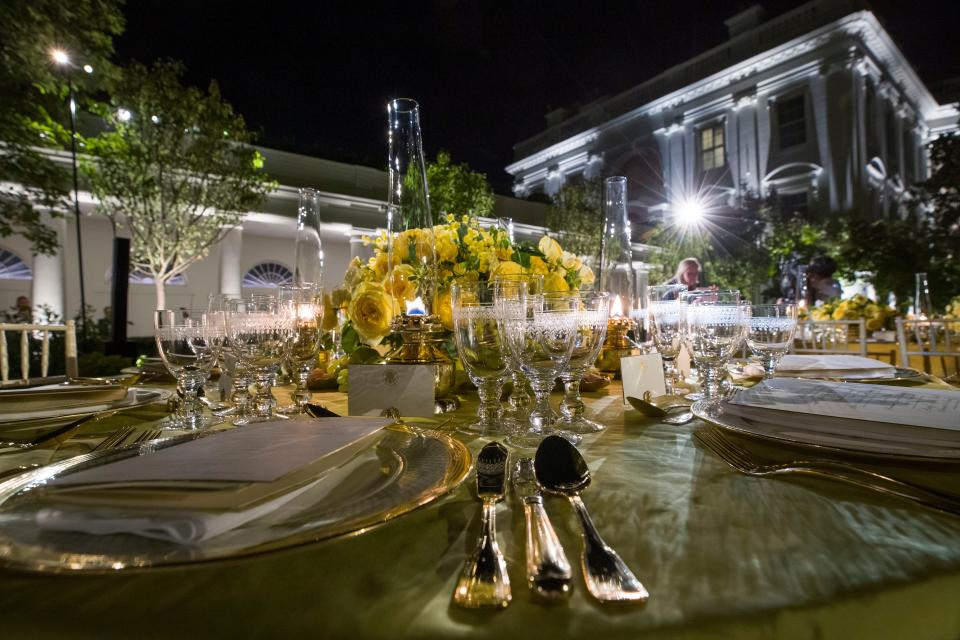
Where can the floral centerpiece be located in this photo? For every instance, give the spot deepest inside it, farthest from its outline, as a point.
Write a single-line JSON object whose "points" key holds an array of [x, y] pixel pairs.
{"points": [[878, 316], [464, 250]]}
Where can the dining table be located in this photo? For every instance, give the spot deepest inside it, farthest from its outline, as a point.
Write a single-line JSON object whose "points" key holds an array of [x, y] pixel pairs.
{"points": [[722, 554]]}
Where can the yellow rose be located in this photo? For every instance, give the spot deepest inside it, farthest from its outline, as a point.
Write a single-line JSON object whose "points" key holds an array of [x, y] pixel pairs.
{"points": [[401, 283], [505, 253], [586, 275], [371, 310], [379, 264], [537, 265], [555, 281], [571, 261], [447, 248], [444, 310], [550, 248], [507, 268], [874, 324]]}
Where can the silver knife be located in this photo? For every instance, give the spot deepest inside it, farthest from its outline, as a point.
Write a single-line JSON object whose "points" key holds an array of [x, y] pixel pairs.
{"points": [[484, 581], [549, 574]]}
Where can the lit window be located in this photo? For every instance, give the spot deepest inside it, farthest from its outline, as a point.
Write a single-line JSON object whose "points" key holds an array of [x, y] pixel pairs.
{"points": [[791, 122], [711, 147], [267, 274], [13, 268]]}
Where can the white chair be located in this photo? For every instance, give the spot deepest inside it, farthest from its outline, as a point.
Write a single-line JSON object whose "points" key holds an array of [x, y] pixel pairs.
{"points": [[43, 330], [935, 341], [831, 336]]}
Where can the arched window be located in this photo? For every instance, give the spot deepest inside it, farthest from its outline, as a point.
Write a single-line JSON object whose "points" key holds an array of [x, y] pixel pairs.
{"points": [[267, 274], [141, 277], [13, 268]]}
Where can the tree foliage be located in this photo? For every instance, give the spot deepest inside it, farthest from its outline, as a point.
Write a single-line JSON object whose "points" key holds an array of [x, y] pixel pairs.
{"points": [[175, 167], [34, 117], [575, 216], [457, 189]]}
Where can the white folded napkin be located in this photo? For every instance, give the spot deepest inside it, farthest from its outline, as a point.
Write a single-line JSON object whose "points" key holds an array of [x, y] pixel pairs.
{"points": [[183, 527], [829, 362]]}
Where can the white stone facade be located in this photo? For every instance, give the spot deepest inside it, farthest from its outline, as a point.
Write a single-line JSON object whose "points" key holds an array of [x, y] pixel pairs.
{"points": [[817, 105]]}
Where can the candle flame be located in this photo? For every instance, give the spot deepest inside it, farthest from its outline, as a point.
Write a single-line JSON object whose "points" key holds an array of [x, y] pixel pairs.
{"points": [[416, 307], [616, 309]]}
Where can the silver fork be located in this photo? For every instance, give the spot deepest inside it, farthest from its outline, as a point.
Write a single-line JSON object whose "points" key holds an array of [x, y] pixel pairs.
{"points": [[751, 464], [115, 439]]}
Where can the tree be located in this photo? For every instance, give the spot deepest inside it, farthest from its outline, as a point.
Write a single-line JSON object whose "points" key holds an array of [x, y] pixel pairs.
{"points": [[457, 189], [576, 216], [34, 106], [175, 167]]}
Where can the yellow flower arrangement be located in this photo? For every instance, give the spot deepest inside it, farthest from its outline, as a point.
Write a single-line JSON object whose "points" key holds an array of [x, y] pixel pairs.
{"points": [[878, 316], [463, 250]]}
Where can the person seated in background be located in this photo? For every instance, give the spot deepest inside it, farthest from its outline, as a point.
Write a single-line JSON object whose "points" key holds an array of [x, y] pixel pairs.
{"points": [[821, 286], [688, 274], [24, 312]]}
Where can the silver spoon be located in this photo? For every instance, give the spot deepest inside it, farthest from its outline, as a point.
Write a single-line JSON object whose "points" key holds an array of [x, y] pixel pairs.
{"points": [[681, 418], [652, 410], [562, 470]]}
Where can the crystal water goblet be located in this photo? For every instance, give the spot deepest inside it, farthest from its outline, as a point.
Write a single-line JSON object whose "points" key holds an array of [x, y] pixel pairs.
{"points": [[667, 313], [189, 342], [305, 303], [770, 334], [591, 329], [482, 350], [518, 402], [540, 330], [716, 327], [261, 331]]}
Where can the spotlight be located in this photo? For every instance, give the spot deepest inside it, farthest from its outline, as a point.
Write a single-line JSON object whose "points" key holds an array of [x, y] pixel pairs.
{"points": [[689, 212], [60, 56]]}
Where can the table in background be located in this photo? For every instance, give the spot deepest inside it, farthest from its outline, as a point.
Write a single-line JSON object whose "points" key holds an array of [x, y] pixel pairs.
{"points": [[722, 554]]}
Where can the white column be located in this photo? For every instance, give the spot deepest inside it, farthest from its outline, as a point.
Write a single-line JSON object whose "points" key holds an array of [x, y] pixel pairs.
{"points": [[230, 276], [47, 286]]}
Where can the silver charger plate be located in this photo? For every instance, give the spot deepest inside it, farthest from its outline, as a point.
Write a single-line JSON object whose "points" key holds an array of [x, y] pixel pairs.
{"points": [[402, 469], [29, 426], [874, 440]]}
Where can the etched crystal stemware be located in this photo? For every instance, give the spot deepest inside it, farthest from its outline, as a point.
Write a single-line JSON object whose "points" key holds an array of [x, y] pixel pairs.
{"points": [[591, 329], [716, 329], [261, 331], [482, 350], [771, 333], [540, 330], [189, 342], [305, 304], [667, 318], [518, 402]]}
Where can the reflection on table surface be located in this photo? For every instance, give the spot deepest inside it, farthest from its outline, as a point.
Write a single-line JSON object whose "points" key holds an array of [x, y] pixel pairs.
{"points": [[722, 555]]}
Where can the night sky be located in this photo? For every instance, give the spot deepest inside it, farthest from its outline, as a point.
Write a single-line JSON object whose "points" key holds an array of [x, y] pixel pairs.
{"points": [[315, 77]]}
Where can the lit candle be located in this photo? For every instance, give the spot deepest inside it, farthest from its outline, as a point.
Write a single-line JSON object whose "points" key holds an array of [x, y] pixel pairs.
{"points": [[616, 309], [416, 307]]}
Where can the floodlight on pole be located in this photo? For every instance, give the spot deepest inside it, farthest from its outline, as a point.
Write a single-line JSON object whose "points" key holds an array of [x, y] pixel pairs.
{"points": [[61, 58]]}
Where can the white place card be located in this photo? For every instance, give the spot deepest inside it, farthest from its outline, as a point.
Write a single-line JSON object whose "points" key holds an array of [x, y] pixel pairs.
{"points": [[642, 373], [935, 408], [406, 387]]}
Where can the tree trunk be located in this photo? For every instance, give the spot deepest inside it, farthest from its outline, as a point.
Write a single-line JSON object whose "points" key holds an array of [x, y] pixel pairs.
{"points": [[161, 294]]}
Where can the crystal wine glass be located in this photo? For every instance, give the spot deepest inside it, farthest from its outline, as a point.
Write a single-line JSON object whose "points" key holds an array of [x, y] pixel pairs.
{"points": [[518, 402], [667, 318], [261, 331], [481, 348], [540, 330], [305, 303], [771, 333], [594, 309], [189, 341], [716, 327]]}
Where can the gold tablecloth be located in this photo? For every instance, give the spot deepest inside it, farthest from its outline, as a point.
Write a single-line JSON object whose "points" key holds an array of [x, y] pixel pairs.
{"points": [[723, 555]]}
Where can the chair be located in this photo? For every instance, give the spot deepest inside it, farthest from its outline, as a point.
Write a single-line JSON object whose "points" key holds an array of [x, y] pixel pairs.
{"points": [[936, 342], [831, 336], [43, 331]]}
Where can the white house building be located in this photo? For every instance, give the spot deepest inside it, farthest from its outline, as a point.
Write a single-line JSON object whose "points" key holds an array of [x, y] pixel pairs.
{"points": [[253, 257], [817, 105]]}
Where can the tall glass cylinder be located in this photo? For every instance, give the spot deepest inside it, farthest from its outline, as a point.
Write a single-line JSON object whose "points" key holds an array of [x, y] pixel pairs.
{"points": [[308, 251], [616, 254], [410, 247]]}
